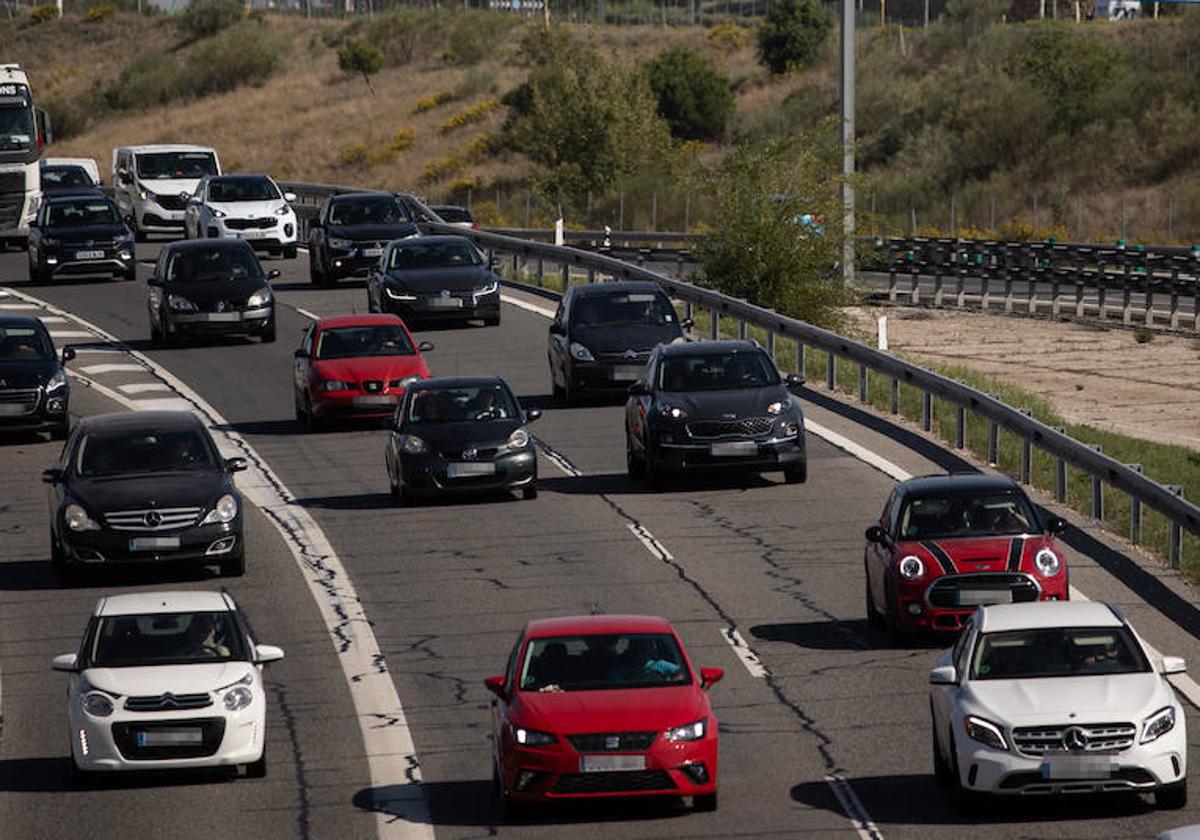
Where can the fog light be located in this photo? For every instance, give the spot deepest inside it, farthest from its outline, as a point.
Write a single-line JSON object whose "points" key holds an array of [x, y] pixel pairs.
{"points": [[287, 230], [222, 546], [337, 263], [52, 260], [125, 255], [1051, 597], [525, 779], [915, 609], [697, 772], [55, 405], [83, 744]]}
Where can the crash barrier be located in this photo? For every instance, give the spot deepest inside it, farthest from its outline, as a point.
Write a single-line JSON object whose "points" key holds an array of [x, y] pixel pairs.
{"points": [[549, 260]]}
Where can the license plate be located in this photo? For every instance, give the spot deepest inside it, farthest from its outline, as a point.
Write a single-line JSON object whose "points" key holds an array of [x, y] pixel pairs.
{"points": [[251, 234], [219, 317], [380, 399], [625, 372], [372, 252], [469, 469], [153, 543], [444, 303], [1078, 767], [983, 597], [89, 255], [169, 737], [12, 409], [734, 449], [611, 763]]}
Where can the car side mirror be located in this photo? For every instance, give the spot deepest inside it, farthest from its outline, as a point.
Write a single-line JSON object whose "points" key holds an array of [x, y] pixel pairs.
{"points": [[943, 675], [68, 353], [557, 329], [273, 274], [124, 178], [426, 346], [1173, 665], [235, 464], [289, 197], [54, 475], [1056, 525], [794, 381], [711, 676], [33, 225], [68, 662], [267, 653], [532, 414], [301, 353], [687, 324], [496, 685], [876, 534], [638, 389]]}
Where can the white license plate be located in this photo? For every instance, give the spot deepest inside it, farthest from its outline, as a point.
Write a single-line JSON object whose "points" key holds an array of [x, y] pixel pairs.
{"points": [[219, 317], [444, 303], [983, 597], [379, 399], [153, 543], [251, 234], [89, 255], [469, 469], [626, 372], [734, 449], [1078, 767], [611, 763], [169, 737], [12, 409], [372, 252]]}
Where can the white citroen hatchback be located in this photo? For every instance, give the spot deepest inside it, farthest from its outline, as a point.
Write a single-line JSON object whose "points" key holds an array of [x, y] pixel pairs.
{"points": [[1055, 698], [167, 680]]}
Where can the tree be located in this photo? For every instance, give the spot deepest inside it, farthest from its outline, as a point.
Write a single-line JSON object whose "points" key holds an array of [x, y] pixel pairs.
{"points": [[205, 18], [693, 96], [356, 56], [792, 34]]}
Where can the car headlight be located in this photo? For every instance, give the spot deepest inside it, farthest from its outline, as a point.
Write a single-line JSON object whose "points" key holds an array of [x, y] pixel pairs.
{"points": [[177, 303], [238, 698], [581, 353], [398, 294], [258, 299], [693, 731], [223, 511], [340, 244], [519, 439], [490, 288], [985, 732], [218, 214], [283, 211], [413, 445], [672, 411], [408, 381], [531, 737], [145, 195], [49, 242], [336, 385], [77, 519], [97, 704], [1047, 562], [1158, 724], [776, 407], [911, 567], [56, 382]]}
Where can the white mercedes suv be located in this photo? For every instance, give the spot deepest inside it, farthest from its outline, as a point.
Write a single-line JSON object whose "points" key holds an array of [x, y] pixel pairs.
{"points": [[1056, 697], [249, 207], [167, 680]]}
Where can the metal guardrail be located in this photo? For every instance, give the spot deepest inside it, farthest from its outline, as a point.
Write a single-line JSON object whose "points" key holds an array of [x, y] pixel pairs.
{"points": [[1169, 501]]}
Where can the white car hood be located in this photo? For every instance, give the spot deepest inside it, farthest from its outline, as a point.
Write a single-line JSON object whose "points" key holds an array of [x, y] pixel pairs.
{"points": [[1099, 699], [157, 679], [248, 209], [171, 186]]}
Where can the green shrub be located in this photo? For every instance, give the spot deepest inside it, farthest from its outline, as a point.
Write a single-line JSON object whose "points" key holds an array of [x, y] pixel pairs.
{"points": [[428, 103], [727, 37], [792, 34], [101, 12], [205, 18], [402, 35], [402, 140], [43, 13], [360, 57], [356, 154], [152, 78], [69, 116], [442, 168], [245, 54], [473, 35], [474, 114], [693, 96]]}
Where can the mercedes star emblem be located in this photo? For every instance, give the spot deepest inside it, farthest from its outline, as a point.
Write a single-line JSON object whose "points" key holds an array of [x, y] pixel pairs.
{"points": [[1075, 739], [445, 293], [153, 519]]}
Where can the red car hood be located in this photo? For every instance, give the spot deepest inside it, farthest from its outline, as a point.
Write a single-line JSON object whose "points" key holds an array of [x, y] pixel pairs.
{"points": [[976, 554], [615, 710], [372, 367]]}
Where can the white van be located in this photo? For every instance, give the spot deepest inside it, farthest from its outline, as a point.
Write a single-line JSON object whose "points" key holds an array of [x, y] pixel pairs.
{"points": [[148, 181]]}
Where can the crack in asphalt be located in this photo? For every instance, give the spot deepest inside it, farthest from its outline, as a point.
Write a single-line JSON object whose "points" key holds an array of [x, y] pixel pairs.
{"points": [[303, 828]]}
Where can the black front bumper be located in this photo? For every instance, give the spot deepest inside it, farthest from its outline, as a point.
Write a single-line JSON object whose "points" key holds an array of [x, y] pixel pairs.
{"points": [[249, 322], [768, 455], [605, 376], [65, 261], [351, 263], [38, 412], [487, 306], [107, 547], [428, 474]]}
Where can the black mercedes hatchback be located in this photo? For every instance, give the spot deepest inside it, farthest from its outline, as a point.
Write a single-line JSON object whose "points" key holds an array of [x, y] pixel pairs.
{"points": [[34, 391], [144, 487], [210, 287]]}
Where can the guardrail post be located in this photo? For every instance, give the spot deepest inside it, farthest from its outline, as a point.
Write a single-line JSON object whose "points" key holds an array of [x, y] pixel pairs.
{"points": [[1174, 321], [894, 402], [1097, 491], [1008, 289], [960, 427], [1135, 511], [1196, 301], [800, 357], [926, 411], [1127, 293], [516, 266], [1148, 302], [862, 382], [892, 273], [1102, 291], [1175, 546], [1079, 310], [937, 287], [831, 371], [591, 275], [1060, 474], [985, 292], [771, 344], [1026, 453], [715, 325], [566, 275], [541, 271], [993, 444], [742, 328]]}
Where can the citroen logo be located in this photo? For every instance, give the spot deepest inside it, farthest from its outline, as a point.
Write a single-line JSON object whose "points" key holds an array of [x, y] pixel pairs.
{"points": [[612, 742], [470, 454], [1075, 739], [168, 701], [153, 519]]}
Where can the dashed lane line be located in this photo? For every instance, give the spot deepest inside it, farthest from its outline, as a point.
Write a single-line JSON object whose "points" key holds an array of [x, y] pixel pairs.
{"points": [[526, 305], [94, 370], [309, 315], [70, 334], [143, 387]]}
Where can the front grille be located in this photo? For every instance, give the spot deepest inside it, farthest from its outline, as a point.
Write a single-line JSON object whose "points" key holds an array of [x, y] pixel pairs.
{"points": [[625, 781], [944, 592], [600, 741], [125, 736], [12, 182], [169, 202], [10, 209], [19, 401], [154, 519], [167, 702], [88, 244], [372, 386], [640, 357], [219, 306], [746, 427], [1100, 738], [482, 454], [251, 224], [1032, 782]]}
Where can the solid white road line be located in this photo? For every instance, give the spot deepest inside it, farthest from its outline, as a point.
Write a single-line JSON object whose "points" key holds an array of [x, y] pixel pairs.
{"points": [[399, 801], [744, 652], [858, 451], [859, 818], [309, 315], [52, 319], [71, 334], [24, 307], [531, 307], [95, 370], [143, 387]]}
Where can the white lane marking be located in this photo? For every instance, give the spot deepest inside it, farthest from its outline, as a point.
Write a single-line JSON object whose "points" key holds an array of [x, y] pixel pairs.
{"points": [[399, 801], [309, 315], [110, 368], [19, 306], [98, 350], [143, 387], [71, 334], [858, 451], [560, 461], [859, 818], [52, 319], [532, 307], [120, 399], [744, 652], [162, 404]]}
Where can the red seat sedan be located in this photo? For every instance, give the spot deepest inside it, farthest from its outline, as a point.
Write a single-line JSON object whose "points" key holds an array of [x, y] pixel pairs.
{"points": [[355, 366], [603, 706]]}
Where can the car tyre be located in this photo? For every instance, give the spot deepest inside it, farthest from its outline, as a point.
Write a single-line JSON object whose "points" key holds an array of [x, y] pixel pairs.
{"points": [[234, 566], [874, 617], [529, 492], [492, 322], [633, 465], [60, 431], [315, 275], [258, 769], [897, 634], [705, 802], [130, 275], [654, 475], [267, 336], [289, 252], [797, 474], [942, 774], [1171, 797], [966, 801]]}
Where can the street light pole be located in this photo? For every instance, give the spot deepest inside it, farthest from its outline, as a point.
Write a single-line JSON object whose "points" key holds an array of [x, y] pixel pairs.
{"points": [[848, 141]]}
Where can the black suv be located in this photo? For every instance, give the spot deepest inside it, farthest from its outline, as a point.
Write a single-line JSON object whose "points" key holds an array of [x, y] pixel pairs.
{"points": [[80, 232], [348, 237], [34, 392]]}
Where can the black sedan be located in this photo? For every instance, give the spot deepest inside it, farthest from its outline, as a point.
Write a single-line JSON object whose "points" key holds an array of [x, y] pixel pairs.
{"points": [[461, 434], [348, 237], [428, 278], [714, 405], [602, 335], [206, 287], [144, 487], [34, 392], [80, 233]]}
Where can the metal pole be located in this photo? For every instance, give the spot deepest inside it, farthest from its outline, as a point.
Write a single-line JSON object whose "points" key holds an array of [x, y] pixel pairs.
{"points": [[1135, 512], [848, 140]]}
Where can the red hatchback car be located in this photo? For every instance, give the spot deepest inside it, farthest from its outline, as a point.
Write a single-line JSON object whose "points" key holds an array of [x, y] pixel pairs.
{"points": [[603, 706], [946, 544], [355, 366]]}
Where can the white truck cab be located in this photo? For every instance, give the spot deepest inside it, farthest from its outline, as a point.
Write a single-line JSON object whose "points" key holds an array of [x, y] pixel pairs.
{"points": [[148, 180], [23, 133]]}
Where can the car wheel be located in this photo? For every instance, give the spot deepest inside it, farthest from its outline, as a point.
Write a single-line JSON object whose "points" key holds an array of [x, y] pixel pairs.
{"points": [[58, 558], [797, 474], [156, 336], [633, 465], [312, 423], [139, 235], [492, 322], [289, 252], [652, 472], [941, 770], [896, 631], [1171, 797], [372, 306], [967, 801], [315, 275], [569, 396], [234, 566], [705, 802], [267, 336], [874, 618], [529, 491], [130, 275], [258, 769], [59, 432]]}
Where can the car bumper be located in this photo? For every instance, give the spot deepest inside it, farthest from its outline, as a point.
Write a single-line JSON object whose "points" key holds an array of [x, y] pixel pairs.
{"points": [[159, 220], [671, 769], [110, 744], [486, 306], [114, 261], [352, 263], [917, 612], [220, 323], [767, 455], [283, 233], [41, 413], [599, 377], [201, 545], [427, 474], [355, 404]]}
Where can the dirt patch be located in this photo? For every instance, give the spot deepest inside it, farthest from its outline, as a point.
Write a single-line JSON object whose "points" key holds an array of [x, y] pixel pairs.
{"points": [[1091, 375]]}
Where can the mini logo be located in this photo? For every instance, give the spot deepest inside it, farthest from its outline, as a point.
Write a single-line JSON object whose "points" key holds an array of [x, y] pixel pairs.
{"points": [[470, 454], [153, 519], [220, 306], [1075, 739], [612, 742], [445, 293]]}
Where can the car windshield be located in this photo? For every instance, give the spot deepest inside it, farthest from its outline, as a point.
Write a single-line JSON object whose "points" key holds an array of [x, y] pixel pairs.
{"points": [[143, 451], [82, 213], [967, 516], [602, 661], [716, 372], [457, 405], [16, 124], [454, 214], [230, 190], [622, 309], [54, 177], [24, 344], [183, 638], [371, 340], [1057, 652], [367, 211], [435, 255], [163, 166], [214, 263]]}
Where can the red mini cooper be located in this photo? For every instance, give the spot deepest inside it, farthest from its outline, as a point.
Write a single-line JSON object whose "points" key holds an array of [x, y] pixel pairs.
{"points": [[602, 706], [946, 544]]}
